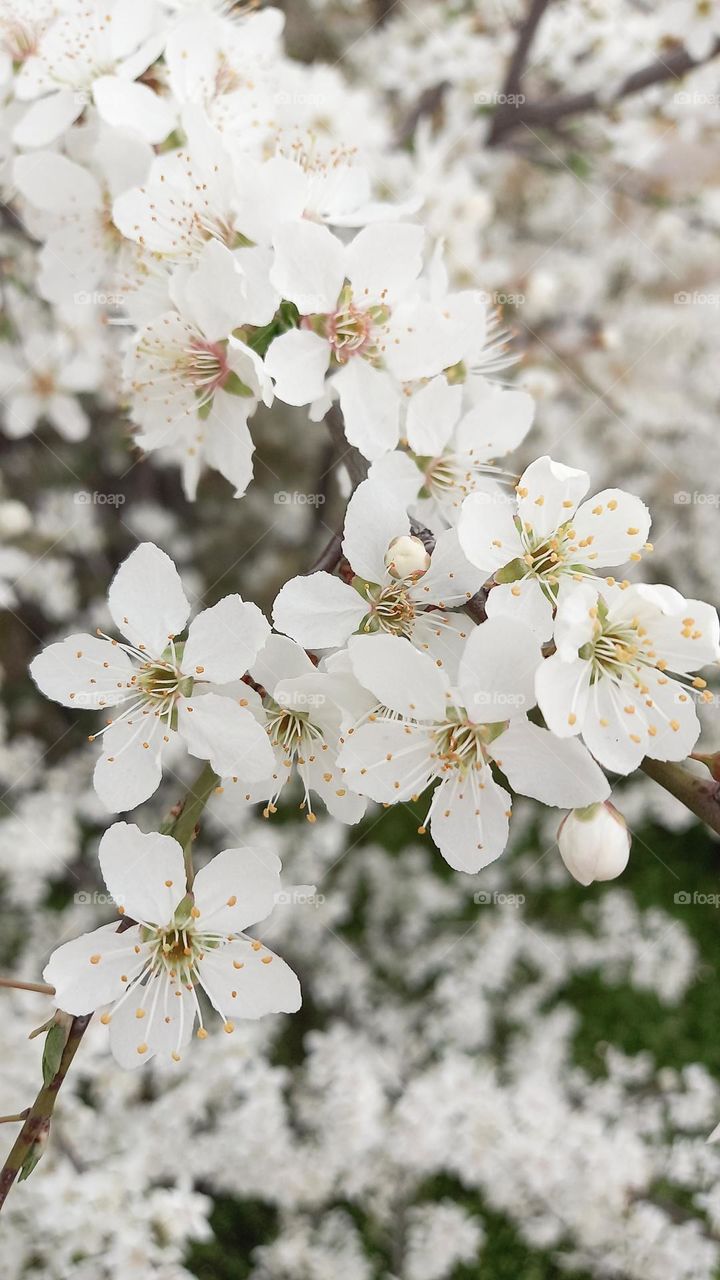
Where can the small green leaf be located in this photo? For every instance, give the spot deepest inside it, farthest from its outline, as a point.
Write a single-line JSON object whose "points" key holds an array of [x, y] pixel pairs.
{"points": [[53, 1052]]}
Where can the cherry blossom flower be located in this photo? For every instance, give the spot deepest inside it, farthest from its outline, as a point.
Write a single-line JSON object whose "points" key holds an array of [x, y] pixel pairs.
{"points": [[193, 383], [40, 380], [548, 536], [364, 316], [148, 976], [166, 688], [304, 711], [119, 40], [398, 588], [594, 843], [621, 675], [425, 729]]}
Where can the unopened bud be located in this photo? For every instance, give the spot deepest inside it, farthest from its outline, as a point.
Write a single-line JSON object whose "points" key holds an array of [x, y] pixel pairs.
{"points": [[594, 843], [406, 558]]}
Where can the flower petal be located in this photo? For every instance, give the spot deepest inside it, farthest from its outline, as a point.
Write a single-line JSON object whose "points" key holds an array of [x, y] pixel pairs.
{"points": [[246, 980], [555, 771], [216, 728], [95, 968], [146, 598], [401, 678], [145, 873], [387, 760], [297, 362], [155, 1019], [469, 820], [237, 888], [83, 671], [225, 640], [497, 670], [318, 611], [372, 520]]}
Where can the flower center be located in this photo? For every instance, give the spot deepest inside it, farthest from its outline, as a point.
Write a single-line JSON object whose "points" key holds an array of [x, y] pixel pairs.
{"points": [[160, 681], [391, 610], [618, 649], [289, 729], [460, 744], [176, 950], [354, 330]]}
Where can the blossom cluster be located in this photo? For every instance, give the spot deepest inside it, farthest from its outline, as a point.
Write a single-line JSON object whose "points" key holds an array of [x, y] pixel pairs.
{"points": [[177, 174]]}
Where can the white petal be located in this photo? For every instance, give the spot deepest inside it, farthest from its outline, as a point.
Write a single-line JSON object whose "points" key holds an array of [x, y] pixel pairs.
{"points": [[563, 691], [68, 417], [451, 580], [130, 768], [280, 658], [309, 266], [372, 520], [526, 602], [318, 611], [498, 422], [125, 104], [217, 729], [617, 739], [487, 532], [431, 416], [401, 678], [224, 641], [469, 820], [673, 717], [497, 670], [244, 982], [548, 494], [384, 259], [228, 445], [83, 671], [168, 1012], [297, 362], [146, 598], [555, 771], [618, 524], [144, 873], [47, 118], [325, 778], [237, 888], [387, 760], [93, 969], [55, 184], [370, 401]]}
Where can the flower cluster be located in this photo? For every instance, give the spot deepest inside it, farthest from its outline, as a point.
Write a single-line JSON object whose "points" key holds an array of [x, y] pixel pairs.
{"points": [[185, 181]]}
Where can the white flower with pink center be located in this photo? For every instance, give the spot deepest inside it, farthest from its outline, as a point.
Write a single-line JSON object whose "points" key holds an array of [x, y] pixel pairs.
{"points": [[364, 318], [149, 977], [160, 687], [426, 730]]}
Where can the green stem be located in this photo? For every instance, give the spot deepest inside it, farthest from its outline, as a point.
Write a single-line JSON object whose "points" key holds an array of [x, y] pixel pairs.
{"points": [[700, 795], [182, 826], [32, 1138]]}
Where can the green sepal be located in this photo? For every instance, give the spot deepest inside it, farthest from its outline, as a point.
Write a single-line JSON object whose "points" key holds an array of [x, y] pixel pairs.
{"points": [[55, 1042], [235, 386], [511, 572]]}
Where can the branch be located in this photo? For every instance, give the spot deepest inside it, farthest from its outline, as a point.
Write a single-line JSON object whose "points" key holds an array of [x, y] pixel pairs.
{"points": [[513, 79], [673, 67], [700, 795], [356, 466], [32, 1138]]}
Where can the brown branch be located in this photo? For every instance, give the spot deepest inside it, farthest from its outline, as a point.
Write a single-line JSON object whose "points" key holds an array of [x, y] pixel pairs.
{"points": [[513, 79], [509, 117], [700, 795]]}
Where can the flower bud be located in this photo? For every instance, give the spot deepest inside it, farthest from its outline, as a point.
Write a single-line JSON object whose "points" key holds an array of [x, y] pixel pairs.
{"points": [[406, 558], [594, 843]]}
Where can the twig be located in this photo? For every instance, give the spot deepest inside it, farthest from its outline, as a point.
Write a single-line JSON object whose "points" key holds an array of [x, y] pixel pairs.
{"points": [[42, 988], [700, 795], [672, 67], [31, 1140], [513, 79]]}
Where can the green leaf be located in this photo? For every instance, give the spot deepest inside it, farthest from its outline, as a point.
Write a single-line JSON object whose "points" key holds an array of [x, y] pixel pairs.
{"points": [[53, 1051]]}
